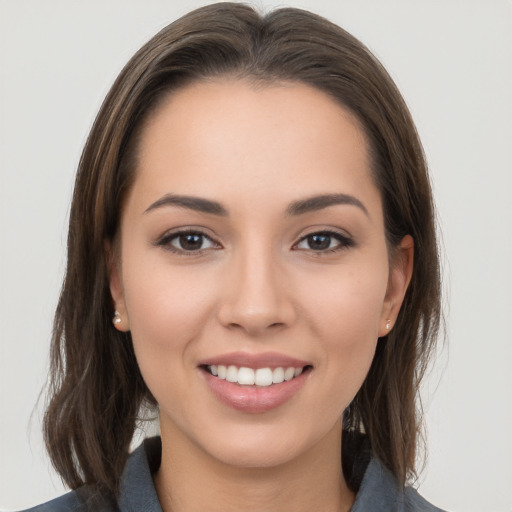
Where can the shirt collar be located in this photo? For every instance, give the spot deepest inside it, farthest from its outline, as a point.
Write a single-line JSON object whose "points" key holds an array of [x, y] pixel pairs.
{"points": [[137, 488], [379, 491]]}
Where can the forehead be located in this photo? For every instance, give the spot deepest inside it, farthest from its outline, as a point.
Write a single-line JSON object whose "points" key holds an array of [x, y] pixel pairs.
{"points": [[279, 139]]}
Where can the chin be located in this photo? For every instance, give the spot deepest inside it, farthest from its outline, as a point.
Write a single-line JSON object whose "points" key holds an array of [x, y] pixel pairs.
{"points": [[257, 457], [260, 447]]}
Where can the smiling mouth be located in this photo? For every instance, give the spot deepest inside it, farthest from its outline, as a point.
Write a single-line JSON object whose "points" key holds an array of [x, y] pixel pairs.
{"points": [[258, 377]]}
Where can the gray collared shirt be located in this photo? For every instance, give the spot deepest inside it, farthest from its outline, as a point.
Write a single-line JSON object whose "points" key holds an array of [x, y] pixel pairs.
{"points": [[378, 492]]}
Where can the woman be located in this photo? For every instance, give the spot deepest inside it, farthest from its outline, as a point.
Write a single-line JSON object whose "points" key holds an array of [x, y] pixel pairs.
{"points": [[252, 253]]}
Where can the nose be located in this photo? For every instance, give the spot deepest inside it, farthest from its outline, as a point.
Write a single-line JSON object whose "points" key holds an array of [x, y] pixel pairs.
{"points": [[257, 296]]}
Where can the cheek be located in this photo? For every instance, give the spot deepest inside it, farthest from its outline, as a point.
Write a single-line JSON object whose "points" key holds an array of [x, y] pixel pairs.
{"points": [[345, 316], [167, 311], [349, 302]]}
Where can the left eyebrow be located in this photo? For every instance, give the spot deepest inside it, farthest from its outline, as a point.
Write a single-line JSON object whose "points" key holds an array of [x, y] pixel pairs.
{"points": [[314, 203], [198, 204]]}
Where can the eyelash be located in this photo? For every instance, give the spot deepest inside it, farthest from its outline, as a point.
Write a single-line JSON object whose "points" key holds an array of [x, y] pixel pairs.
{"points": [[166, 242], [344, 242]]}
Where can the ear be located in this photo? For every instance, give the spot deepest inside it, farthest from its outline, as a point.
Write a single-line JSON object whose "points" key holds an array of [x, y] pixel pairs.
{"points": [[121, 322], [399, 278]]}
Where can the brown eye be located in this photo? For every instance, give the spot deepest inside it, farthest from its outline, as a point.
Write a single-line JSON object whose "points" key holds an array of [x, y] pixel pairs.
{"points": [[324, 241], [318, 242], [187, 242]]}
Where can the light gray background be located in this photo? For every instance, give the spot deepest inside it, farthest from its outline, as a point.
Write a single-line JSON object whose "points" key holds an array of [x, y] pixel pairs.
{"points": [[452, 61]]}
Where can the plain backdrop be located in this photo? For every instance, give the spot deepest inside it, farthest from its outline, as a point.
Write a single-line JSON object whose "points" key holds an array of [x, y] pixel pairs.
{"points": [[453, 62]]}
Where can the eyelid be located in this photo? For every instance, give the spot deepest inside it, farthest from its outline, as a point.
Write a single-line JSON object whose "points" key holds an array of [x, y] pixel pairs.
{"points": [[345, 240], [164, 241]]}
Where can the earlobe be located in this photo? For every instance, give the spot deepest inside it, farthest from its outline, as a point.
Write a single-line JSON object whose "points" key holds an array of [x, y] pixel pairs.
{"points": [[399, 279], [119, 318]]}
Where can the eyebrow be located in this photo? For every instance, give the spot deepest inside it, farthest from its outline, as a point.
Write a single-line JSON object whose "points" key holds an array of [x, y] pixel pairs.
{"points": [[315, 203], [295, 208], [197, 204]]}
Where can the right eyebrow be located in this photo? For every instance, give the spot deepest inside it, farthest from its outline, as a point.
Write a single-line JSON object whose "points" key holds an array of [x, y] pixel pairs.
{"points": [[197, 204]]}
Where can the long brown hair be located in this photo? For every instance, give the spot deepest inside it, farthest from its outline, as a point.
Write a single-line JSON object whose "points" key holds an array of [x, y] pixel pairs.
{"points": [[96, 389]]}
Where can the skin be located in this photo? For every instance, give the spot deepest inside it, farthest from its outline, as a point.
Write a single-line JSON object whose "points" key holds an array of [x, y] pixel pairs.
{"points": [[254, 285]]}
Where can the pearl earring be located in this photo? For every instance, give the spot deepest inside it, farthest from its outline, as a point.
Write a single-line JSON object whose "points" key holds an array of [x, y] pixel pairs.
{"points": [[117, 318], [388, 325]]}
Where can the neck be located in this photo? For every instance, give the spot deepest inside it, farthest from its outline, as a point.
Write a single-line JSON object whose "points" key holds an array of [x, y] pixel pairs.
{"points": [[189, 479]]}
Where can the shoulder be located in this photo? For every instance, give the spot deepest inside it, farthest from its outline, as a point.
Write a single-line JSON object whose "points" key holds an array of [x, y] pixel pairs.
{"points": [[83, 499], [137, 491], [69, 501], [380, 492], [413, 502]]}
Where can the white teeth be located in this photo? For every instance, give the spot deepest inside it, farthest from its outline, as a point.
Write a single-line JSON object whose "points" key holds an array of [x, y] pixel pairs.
{"points": [[260, 377], [278, 376], [221, 371], [246, 376], [263, 377], [289, 373], [232, 374]]}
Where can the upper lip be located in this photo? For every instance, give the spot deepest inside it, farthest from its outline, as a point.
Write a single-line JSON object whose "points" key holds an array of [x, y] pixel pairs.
{"points": [[254, 361]]}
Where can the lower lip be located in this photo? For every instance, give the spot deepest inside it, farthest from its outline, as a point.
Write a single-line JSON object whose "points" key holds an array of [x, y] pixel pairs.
{"points": [[254, 399]]}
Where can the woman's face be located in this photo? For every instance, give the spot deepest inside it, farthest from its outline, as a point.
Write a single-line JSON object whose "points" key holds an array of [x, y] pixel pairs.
{"points": [[253, 238]]}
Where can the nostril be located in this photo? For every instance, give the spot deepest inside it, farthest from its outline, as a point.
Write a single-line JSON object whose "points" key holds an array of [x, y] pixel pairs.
{"points": [[255, 316]]}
